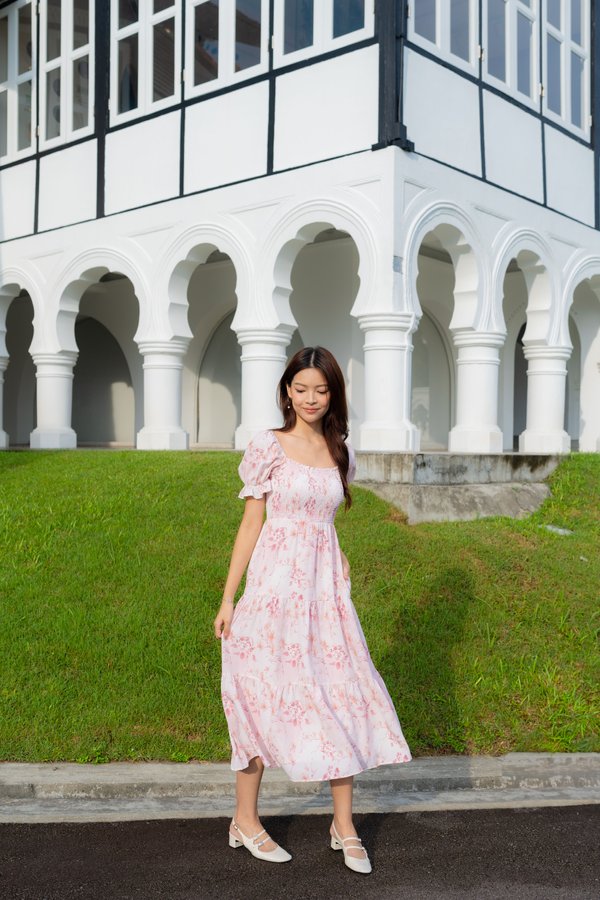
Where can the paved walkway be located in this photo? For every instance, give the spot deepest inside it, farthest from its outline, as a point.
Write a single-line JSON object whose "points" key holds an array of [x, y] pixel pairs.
{"points": [[69, 792]]}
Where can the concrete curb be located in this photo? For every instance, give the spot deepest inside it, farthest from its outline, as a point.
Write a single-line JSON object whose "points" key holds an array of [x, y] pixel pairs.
{"points": [[69, 792], [131, 781]]}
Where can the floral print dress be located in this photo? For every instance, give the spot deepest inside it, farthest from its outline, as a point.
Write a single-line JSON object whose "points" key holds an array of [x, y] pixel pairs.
{"points": [[299, 687]]}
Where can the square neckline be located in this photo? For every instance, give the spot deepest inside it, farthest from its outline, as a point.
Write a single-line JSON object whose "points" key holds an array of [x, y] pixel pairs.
{"points": [[296, 461]]}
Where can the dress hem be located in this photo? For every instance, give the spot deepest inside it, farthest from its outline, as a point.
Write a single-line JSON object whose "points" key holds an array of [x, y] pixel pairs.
{"points": [[268, 765]]}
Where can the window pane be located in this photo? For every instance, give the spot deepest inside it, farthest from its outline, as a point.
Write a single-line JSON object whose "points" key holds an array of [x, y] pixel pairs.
{"points": [[3, 124], [425, 19], [80, 93], [206, 42], [24, 126], [128, 12], [298, 25], [52, 104], [348, 16], [524, 28], [460, 35], [247, 33], [554, 12], [3, 49], [163, 72], [496, 39], [25, 51], [52, 29], [577, 90], [159, 5], [576, 22], [128, 73], [81, 23], [554, 75]]}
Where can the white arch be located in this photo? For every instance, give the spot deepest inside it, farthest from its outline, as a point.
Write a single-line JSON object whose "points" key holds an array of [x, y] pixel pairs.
{"points": [[299, 226], [582, 267], [458, 235], [12, 281], [82, 270], [535, 258], [190, 249]]}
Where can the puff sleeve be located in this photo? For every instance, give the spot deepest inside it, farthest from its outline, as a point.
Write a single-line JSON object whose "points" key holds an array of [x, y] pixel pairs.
{"points": [[262, 457], [351, 464]]}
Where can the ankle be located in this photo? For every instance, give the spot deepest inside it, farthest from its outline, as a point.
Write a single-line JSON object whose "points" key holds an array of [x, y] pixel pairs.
{"points": [[344, 827]]}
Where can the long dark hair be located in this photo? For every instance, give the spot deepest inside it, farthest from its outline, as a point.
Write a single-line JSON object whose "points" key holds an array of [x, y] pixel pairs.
{"points": [[335, 420]]}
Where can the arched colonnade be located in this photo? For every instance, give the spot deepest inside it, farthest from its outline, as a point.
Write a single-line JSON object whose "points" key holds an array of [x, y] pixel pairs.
{"points": [[447, 340]]}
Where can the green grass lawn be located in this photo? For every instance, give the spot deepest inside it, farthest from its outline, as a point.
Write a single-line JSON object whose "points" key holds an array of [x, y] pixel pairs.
{"points": [[111, 571]]}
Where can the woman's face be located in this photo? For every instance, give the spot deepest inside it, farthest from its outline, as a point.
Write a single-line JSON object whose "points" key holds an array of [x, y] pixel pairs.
{"points": [[309, 393]]}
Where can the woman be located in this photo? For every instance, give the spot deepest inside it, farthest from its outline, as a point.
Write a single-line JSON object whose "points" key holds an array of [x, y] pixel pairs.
{"points": [[299, 688]]}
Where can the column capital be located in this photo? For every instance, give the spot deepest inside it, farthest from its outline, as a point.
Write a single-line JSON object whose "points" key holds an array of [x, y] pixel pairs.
{"points": [[280, 335], [174, 347], [466, 337], [61, 359], [543, 351], [388, 321]]}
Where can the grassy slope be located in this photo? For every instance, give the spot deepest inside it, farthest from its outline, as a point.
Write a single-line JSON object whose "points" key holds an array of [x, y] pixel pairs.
{"points": [[111, 567]]}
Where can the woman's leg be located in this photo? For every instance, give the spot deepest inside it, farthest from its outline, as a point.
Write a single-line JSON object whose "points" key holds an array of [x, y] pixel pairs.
{"points": [[247, 785], [341, 791]]}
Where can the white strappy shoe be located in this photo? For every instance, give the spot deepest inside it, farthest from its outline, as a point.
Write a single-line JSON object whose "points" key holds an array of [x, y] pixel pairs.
{"points": [[278, 855], [356, 863]]}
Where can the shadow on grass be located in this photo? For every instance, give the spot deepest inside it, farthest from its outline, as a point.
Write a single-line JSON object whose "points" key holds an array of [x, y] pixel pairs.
{"points": [[419, 670]]}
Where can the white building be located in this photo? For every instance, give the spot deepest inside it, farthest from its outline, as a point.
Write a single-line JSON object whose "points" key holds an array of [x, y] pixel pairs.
{"points": [[190, 190]]}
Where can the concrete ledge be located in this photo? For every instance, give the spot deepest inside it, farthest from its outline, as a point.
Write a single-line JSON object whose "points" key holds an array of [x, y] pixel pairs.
{"points": [[440, 503], [162, 779], [453, 468], [68, 792]]}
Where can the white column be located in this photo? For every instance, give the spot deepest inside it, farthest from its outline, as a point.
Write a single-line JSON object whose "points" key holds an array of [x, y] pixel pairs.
{"points": [[3, 434], [163, 368], [546, 381], [263, 363], [54, 389], [388, 369], [478, 366]]}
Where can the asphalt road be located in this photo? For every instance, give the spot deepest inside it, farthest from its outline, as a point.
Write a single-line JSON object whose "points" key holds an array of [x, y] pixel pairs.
{"points": [[542, 853]]}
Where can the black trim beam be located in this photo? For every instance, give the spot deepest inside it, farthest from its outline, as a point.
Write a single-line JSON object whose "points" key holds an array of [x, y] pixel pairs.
{"points": [[595, 107], [391, 32], [101, 95]]}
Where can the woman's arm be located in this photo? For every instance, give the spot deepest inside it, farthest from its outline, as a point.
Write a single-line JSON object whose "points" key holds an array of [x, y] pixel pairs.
{"points": [[245, 542], [345, 566]]}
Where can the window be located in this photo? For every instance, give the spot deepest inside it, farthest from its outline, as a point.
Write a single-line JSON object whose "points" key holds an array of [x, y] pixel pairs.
{"points": [[66, 70], [511, 51], [227, 40], [17, 88], [450, 25], [145, 56], [567, 62], [306, 28]]}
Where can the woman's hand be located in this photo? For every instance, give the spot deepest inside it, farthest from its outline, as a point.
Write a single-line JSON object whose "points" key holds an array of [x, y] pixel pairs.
{"points": [[223, 620], [345, 566]]}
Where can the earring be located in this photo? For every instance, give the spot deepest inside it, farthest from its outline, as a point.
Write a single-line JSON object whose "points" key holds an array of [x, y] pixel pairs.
{"points": [[289, 404]]}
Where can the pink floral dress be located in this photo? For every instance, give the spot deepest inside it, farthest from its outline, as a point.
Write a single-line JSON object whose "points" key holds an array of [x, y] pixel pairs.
{"points": [[299, 687]]}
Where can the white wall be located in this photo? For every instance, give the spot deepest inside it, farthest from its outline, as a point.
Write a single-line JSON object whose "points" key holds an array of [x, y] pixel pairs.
{"points": [[226, 138], [513, 147], [142, 163], [68, 187], [103, 401], [17, 200], [211, 414], [569, 176], [327, 109], [441, 113]]}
